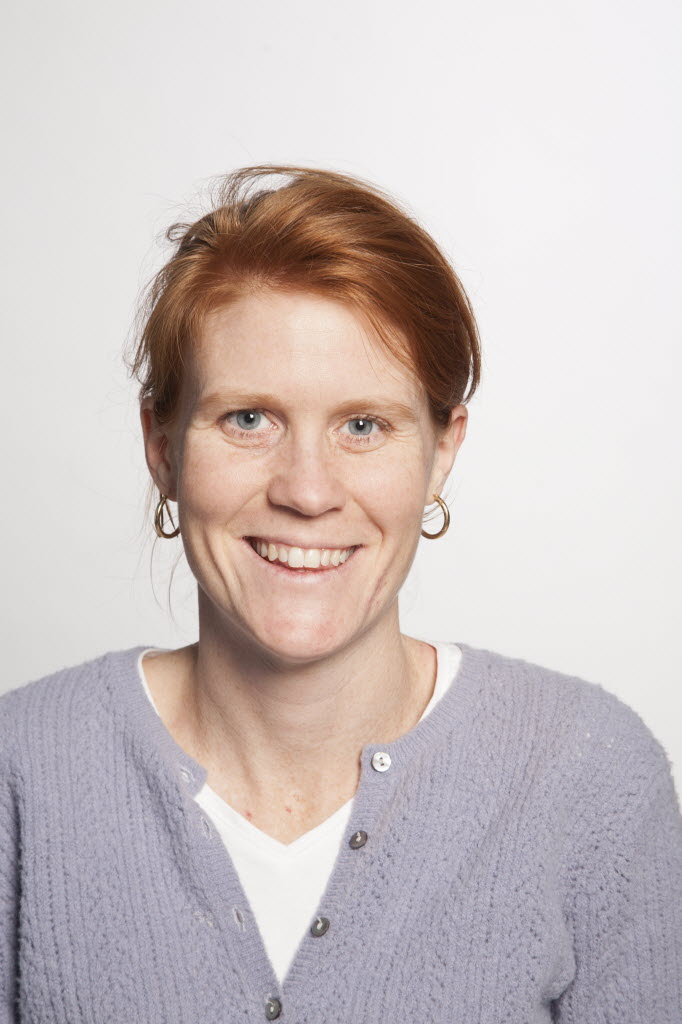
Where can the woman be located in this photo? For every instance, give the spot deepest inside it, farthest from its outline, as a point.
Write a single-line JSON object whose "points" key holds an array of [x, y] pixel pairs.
{"points": [[307, 815]]}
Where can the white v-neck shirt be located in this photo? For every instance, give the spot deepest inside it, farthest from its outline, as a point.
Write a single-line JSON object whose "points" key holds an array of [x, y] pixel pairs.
{"points": [[284, 882]]}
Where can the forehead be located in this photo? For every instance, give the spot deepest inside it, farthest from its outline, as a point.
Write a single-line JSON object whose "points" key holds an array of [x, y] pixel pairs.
{"points": [[299, 345]]}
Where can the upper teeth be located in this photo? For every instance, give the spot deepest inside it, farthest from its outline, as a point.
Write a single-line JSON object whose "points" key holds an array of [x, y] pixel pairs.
{"points": [[301, 558]]}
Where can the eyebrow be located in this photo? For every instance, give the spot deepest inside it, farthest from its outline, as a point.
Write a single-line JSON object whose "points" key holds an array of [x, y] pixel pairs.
{"points": [[253, 400]]}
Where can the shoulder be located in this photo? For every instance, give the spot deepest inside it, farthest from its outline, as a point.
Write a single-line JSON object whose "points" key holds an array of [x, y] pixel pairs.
{"points": [[43, 689], [51, 708], [575, 722]]}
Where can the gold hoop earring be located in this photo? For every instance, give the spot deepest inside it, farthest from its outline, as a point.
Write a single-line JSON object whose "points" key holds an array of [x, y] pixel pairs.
{"points": [[446, 518], [158, 519]]}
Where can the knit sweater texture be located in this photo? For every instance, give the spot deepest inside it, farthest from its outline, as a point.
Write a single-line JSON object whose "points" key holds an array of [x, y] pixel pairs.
{"points": [[518, 860]]}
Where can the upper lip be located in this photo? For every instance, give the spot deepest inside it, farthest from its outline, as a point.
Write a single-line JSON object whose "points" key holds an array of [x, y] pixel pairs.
{"points": [[301, 544]]}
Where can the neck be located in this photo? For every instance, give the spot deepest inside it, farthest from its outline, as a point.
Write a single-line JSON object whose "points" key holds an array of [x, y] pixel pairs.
{"points": [[260, 724]]}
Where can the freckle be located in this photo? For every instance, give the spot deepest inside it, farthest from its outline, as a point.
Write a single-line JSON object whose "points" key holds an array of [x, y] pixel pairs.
{"points": [[249, 815], [287, 809]]}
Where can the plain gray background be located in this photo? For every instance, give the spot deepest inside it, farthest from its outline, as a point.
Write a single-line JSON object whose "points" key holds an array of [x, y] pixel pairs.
{"points": [[540, 145]]}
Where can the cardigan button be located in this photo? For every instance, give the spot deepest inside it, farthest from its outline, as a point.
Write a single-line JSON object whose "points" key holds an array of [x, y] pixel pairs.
{"points": [[320, 926], [381, 761], [273, 1008], [357, 840]]}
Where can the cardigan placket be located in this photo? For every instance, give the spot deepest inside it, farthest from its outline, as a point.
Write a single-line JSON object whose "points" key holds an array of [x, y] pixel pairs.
{"points": [[228, 908]]}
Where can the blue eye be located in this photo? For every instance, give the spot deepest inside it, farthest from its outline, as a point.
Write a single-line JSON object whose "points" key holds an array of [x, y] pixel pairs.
{"points": [[247, 413], [366, 421], [250, 419], [248, 422]]}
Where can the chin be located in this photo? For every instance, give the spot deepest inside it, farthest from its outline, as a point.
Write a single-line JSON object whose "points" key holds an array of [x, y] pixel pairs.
{"points": [[302, 643]]}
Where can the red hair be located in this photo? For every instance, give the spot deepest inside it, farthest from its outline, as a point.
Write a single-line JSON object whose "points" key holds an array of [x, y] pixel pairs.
{"points": [[324, 232]]}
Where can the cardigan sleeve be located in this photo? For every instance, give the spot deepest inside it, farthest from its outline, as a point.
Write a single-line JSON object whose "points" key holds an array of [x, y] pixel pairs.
{"points": [[626, 915], [9, 869]]}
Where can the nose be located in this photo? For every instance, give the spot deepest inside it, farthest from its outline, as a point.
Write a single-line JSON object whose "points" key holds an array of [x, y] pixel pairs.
{"points": [[305, 478]]}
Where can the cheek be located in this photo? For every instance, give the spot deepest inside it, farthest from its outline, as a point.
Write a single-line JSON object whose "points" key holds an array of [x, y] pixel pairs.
{"points": [[215, 485], [212, 488], [395, 507], [400, 495]]}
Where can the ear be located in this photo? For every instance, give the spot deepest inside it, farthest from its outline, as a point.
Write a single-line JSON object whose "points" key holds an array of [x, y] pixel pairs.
{"points": [[157, 449], [448, 441]]}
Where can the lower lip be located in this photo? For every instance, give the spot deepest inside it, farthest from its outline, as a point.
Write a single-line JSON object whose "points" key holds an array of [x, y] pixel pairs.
{"points": [[303, 575]]}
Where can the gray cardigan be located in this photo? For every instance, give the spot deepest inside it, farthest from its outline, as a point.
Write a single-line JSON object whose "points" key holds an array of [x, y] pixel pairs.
{"points": [[518, 860]]}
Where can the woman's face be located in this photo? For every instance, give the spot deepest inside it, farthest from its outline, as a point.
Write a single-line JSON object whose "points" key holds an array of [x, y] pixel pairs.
{"points": [[299, 430]]}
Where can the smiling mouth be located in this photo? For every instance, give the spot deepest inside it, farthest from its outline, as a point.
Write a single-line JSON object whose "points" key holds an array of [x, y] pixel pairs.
{"points": [[282, 567]]}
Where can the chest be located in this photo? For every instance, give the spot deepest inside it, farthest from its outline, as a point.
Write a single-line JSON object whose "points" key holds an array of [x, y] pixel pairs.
{"points": [[285, 814], [449, 904]]}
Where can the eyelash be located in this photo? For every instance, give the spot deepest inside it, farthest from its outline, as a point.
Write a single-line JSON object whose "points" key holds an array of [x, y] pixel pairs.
{"points": [[238, 432]]}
